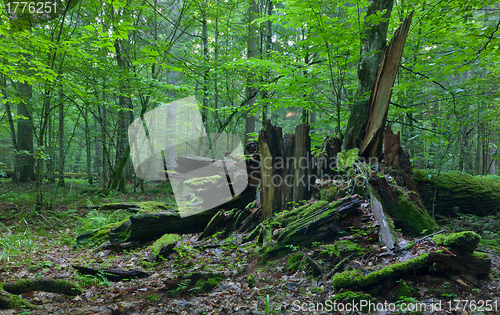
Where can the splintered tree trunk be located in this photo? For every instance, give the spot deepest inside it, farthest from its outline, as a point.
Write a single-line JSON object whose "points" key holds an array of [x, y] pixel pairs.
{"points": [[372, 43], [271, 152], [382, 90], [287, 168]]}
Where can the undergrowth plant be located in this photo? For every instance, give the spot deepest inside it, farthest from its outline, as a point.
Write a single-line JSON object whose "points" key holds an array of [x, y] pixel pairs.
{"points": [[17, 244]]}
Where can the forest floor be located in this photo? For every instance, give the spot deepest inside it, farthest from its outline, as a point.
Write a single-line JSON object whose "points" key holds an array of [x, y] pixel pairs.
{"points": [[40, 245]]}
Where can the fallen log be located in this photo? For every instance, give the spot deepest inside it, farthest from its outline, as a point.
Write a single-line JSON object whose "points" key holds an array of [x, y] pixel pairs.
{"points": [[113, 274], [477, 264], [319, 221], [458, 193], [146, 227], [9, 292]]}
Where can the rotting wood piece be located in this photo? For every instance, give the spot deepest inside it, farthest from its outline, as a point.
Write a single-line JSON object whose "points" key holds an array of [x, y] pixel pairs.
{"points": [[9, 295], [477, 266], [112, 273], [325, 223]]}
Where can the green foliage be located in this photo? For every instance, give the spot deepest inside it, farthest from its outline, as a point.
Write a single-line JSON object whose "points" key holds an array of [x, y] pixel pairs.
{"points": [[346, 159], [251, 281], [19, 243], [97, 219], [294, 261], [154, 298], [98, 280]]}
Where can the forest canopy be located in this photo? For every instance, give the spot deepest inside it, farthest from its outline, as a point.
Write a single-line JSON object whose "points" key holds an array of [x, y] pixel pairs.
{"points": [[73, 83]]}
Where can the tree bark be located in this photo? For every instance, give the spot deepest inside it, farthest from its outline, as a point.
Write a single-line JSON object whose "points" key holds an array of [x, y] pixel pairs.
{"points": [[372, 44], [271, 151], [253, 12], [25, 162]]}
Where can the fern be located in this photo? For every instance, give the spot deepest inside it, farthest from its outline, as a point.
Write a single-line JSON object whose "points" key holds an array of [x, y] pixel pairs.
{"points": [[346, 159]]}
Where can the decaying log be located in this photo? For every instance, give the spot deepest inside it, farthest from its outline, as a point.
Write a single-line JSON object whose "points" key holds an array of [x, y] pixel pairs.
{"points": [[479, 267], [224, 222], [323, 224], [9, 295], [458, 193], [406, 209], [147, 227], [113, 274]]}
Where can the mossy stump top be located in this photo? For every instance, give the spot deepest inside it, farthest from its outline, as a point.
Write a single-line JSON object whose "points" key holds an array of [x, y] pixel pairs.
{"points": [[462, 243]]}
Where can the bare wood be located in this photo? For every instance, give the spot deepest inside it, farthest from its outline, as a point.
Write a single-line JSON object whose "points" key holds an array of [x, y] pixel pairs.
{"points": [[381, 93]]}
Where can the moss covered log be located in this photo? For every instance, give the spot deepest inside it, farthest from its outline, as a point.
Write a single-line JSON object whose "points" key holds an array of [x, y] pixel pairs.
{"points": [[46, 285], [405, 209], [458, 192], [9, 300], [146, 227], [355, 278], [304, 225], [163, 246], [9, 291], [462, 243]]}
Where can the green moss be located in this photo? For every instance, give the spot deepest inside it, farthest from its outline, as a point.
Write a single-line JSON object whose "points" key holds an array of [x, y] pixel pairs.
{"points": [[404, 290], [284, 218], [462, 243], [200, 182], [415, 219], [350, 296], [9, 301], [97, 237], [466, 193], [153, 206], [346, 247], [164, 245], [480, 255], [355, 279], [294, 261]]}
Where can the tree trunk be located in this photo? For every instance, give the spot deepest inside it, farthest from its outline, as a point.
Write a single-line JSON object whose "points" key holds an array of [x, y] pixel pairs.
{"points": [[253, 12], [372, 44], [25, 162], [382, 90], [122, 149]]}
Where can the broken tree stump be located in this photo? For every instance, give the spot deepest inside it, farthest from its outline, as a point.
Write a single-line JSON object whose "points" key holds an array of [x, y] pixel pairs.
{"points": [[271, 153]]}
